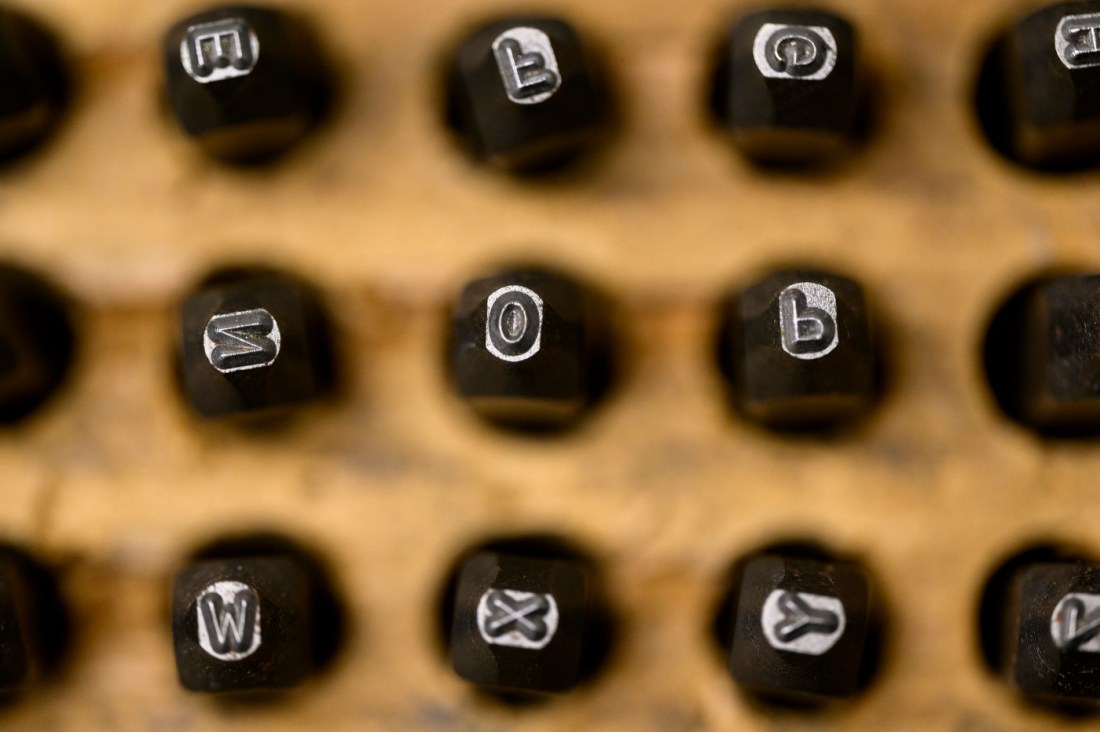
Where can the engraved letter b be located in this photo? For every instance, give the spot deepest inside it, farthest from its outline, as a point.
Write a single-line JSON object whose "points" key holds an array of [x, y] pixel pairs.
{"points": [[807, 331]]}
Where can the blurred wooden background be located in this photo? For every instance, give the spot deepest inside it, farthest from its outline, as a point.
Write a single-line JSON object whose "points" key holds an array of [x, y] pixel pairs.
{"points": [[116, 483]]}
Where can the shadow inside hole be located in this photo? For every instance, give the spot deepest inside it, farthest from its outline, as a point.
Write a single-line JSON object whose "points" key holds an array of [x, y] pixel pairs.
{"points": [[37, 342], [1002, 350], [49, 626], [991, 99], [54, 81]]}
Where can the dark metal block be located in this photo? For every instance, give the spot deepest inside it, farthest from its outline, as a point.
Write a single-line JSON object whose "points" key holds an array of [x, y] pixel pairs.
{"points": [[519, 624], [1049, 66], [798, 350], [1053, 643], [253, 342], [243, 624], [246, 82], [1042, 354], [528, 348], [789, 87], [524, 93], [801, 628]]}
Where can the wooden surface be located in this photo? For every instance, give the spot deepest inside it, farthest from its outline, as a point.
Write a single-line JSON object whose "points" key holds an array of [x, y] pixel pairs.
{"points": [[116, 483]]}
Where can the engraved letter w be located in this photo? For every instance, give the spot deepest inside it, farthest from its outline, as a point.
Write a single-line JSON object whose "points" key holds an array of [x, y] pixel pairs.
{"points": [[230, 628]]}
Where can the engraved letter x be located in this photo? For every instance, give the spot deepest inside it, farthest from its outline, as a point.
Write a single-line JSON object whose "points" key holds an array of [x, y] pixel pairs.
{"points": [[520, 614]]}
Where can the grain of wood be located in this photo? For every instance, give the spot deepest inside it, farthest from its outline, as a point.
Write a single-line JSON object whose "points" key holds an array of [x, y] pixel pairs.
{"points": [[117, 483]]}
